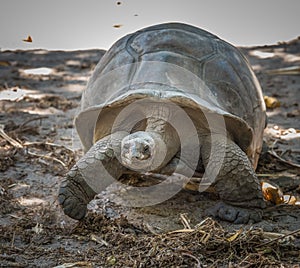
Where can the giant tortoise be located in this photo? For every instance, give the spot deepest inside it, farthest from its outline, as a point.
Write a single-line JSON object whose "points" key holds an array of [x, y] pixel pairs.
{"points": [[171, 99]]}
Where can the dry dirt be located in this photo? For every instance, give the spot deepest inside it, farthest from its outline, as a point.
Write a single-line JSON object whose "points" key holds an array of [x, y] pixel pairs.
{"points": [[38, 145]]}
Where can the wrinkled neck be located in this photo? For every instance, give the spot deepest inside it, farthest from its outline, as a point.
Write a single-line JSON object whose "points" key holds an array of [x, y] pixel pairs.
{"points": [[158, 116], [157, 125], [165, 136]]}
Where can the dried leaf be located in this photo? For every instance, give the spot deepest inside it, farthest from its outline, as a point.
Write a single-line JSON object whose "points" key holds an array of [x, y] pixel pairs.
{"points": [[272, 193], [291, 70], [111, 260], [271, 102], [28, 39], [83, 264], [4, 63], [234, 236], [290, 199]]}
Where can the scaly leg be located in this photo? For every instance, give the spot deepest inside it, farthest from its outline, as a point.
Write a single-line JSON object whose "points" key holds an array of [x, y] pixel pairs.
{"points": [[97, 169], [235, 182]]}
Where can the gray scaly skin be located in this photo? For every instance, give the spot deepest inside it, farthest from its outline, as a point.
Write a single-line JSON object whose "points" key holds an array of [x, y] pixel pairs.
{"points": [[75, 192], [236, 182]]}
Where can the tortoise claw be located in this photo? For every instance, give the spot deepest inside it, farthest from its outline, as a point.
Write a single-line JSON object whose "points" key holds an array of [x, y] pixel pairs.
{"points": [[98, 166], [72, 204], [74, 195]]}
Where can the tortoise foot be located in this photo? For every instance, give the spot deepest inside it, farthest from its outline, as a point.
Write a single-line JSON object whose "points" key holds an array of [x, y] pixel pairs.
{"points": [[73, 196], [235, 214], [97, 169]]}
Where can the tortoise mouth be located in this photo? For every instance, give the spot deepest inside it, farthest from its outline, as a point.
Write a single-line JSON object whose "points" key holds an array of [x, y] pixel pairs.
{"points": [[136, 149]]}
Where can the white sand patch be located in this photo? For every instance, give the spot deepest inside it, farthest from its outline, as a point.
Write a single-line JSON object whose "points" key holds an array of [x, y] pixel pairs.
{"points": [[262, 54], [39, 71]]}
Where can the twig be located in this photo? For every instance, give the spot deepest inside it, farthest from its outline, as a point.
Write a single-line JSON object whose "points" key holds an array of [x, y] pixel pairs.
{"points": [[181, 231], [99, 240], [292, 70], [278, 238], [199, 265], [49, 144], [48, 158], [157, 176], [13, 240], [75, 264], [273, 153], [9, 139], [267, 175], [185, 221], [150, 229], [32, 119]]}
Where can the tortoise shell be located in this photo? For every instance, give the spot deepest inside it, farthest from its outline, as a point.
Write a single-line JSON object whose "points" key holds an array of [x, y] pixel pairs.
{"points": [[182, 64]]}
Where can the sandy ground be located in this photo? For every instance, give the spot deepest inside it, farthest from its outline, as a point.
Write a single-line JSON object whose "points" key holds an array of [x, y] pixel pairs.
{"points": [[38, 145]]}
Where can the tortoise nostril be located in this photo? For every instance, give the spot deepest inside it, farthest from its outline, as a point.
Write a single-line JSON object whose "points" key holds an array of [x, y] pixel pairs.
{"points": [[146, 149]]}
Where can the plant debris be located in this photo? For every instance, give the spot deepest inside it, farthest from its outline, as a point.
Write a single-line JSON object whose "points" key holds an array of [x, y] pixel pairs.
{"points": [[37, 147]]}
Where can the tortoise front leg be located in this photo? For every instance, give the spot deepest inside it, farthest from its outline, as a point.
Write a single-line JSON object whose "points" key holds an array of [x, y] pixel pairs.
{"points": [[92, 173], [235, 182]]}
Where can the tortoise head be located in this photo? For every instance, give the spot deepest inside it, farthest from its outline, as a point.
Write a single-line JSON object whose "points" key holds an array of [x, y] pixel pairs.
{"points": [[143, 151]]}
